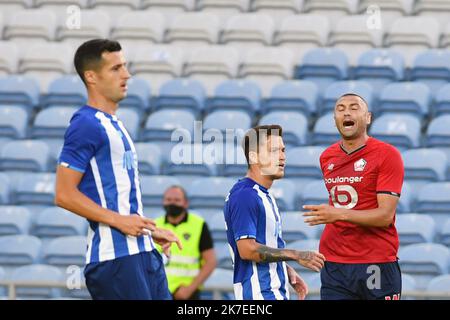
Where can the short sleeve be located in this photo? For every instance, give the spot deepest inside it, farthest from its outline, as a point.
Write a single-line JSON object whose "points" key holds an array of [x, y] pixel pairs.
{"points": [[81, 141], [391, 173], [244, 215]]}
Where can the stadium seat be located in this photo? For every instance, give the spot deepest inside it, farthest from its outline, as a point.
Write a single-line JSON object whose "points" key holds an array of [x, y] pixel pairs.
{"points": [[441, 101], [325, 132], [379, 67], [284, 193], [13, 122], [161, 124], [267, 67], [168, 7], [234, 163], [11, 7], [424, 260], [137, 28], [60, 7], [58, 222], [9, 58], [193, 29], [410, 35], [217, 281], [115, 8], [4, 188], [217, 226], [444, 236], [35, 189], [433, 197], [439, 10], [26, 155], [438, 132], [304, 162], [52, 123], [333, 10], [302, 32], [223, 255], [236, 94], [65, 251], [248, 30], [409, 284], [401, 130], [19, 90], [153, 187], [19, 250], [315, 192], [277, 9], [67, 90], [295, 126], [425, 164], [38, 273], [292, 95], [314, 284], [352, 35], [406, 199], [149, 158], [445, 38], [14, 220], [222, 121], [439, 287], [131, 121], [96, 24], [338, 88], [432, 68], [409, 97], [323, 66], [138, 95], [184, 94], [157, 64], [295, 229], [3, 289], [390, 10], [212, 65], [415, 228], [209, 192]]}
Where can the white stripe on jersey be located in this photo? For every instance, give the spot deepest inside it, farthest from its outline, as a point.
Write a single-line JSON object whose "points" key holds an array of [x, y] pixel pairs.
{"points": [[271, 241], [106, 246], [238, 291], [254, 280], [121, 174]]}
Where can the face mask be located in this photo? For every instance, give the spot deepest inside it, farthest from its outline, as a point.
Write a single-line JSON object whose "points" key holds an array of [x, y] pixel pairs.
{"points": [[173, 210]]}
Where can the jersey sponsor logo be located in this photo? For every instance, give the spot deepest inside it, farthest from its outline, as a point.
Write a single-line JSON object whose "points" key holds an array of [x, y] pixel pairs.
{"points": [[394, 297], [344, 196], [331, 166], [343, 180], [360, 165]]}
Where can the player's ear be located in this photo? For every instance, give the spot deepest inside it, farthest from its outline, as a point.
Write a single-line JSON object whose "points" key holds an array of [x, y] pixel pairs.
{"points": [[369, 118], [90, 77]]}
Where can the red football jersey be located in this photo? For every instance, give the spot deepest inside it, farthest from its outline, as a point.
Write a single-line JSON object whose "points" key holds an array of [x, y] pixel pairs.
{"points": [[353, 181]]}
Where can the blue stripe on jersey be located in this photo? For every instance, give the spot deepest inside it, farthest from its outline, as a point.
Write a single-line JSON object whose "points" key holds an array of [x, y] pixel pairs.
{"points": [[95, 250], [247, 290]]}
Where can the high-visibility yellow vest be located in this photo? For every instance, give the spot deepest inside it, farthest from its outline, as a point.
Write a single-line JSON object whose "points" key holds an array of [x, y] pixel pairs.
{"points": [[184, 265]]}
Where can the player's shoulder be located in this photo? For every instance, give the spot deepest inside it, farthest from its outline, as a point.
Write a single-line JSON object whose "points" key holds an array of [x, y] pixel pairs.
{"points": [[382, 147], [331, 150], [244, 190], [85, 118]]}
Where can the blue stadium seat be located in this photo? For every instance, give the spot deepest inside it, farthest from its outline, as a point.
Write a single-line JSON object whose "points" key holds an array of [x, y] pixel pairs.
{"points": [[439, 285], [153, 187], [433, 198], [4, 188], [38, 273], [19, 90], [400, 130], [295, 229], [323, 66], [432, 67], [223, 255], [227, 119], [425, 164], [236, 94], [149, 158], [68, 90], [380, 67], [52, 122], [65, 251], [405, 97], [58, 222], [13, 122], [408, 284], [444, 236], [284, 192], [35, 189], [293, 95], [130, 118], [138, 95], [25, 155], [438, 132], [3, 289], [337, 89], [303, 162], [14, 220], [209, 192], [407, 197], [19, 250], [325, 132], [161, 124], [234, 163], [294, 124], [441, 101], [220, 278], [314, 284], [415, 228], [185, 94], [315, 192], [217, 225]]}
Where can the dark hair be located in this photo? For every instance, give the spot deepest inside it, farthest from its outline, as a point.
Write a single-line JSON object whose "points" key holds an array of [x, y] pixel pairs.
{"points": [[175, 186], [252, 138], [355, 95], [89, 54]]}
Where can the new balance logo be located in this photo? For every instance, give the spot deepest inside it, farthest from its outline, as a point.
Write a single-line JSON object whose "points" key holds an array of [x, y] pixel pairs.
{"points": [[128, 160]]}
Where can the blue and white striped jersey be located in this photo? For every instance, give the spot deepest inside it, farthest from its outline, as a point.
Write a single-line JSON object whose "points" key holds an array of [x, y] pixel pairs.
{"points": [[251, 212], [98, 145]]}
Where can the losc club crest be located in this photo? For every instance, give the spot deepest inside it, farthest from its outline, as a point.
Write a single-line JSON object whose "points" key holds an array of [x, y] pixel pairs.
{"points": [[360, 165]]}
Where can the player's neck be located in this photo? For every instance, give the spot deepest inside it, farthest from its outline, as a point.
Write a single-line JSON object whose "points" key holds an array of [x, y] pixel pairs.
{"points": [[351, 145], [265, 181], [102, 103]]}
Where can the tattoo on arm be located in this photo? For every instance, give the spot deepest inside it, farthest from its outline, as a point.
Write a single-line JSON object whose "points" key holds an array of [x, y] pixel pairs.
{"points": [[268, 254]]}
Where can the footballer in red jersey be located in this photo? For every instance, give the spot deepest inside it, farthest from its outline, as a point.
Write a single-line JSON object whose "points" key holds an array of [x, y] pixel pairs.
{"points": [[364, 178]]}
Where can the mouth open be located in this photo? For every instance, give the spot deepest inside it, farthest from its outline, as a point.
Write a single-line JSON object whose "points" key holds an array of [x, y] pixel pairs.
{"points": [[348, 124]]}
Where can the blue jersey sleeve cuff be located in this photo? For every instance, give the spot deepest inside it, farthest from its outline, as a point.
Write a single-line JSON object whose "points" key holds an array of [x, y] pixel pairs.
{"points": [[245, 236], [67, 165]]}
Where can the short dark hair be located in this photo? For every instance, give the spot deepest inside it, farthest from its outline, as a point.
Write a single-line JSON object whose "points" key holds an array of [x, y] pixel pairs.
{"points": [[89, 54], [354, 95], [176, 186], [252, 138]]}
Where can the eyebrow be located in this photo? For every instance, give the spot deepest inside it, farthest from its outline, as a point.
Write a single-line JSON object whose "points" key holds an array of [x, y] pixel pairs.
{"points": [[119, 65], [352, 104]]}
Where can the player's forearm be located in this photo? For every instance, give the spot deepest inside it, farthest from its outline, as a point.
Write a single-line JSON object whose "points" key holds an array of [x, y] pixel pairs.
{"points": [[267, 254], [379, 217]]}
